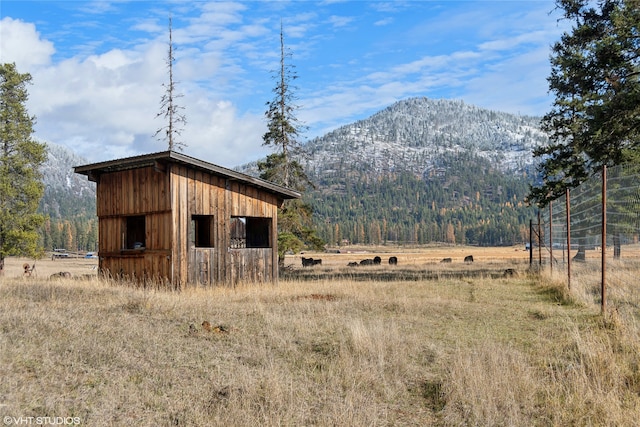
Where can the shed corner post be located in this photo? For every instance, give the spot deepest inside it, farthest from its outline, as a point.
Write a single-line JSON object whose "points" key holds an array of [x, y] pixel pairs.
{"points": [[275, 257]]}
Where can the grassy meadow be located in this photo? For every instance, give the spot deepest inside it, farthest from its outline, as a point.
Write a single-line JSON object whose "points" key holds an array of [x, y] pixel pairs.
{"points": [[481, 350]]}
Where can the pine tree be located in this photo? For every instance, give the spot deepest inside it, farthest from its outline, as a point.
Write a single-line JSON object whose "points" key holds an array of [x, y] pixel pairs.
{"points": [[169, 110], [21, 185], [595, 79], [283, 130]]}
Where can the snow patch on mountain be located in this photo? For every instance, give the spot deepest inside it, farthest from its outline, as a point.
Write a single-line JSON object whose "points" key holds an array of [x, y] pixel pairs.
{"points": [[411, 135], [58, 172]]}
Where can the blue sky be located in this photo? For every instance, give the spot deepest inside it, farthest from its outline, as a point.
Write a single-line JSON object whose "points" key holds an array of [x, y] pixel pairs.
{"points": [[98, 66]]}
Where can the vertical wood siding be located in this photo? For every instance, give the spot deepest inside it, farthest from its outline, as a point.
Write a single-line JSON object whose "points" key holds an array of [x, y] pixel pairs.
{"points": [[140, 191], [132, 192], [199, 193], [168, 197]]}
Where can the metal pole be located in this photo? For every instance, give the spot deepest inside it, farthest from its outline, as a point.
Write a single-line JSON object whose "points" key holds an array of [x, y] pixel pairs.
{"points": [[551, 238], [603, 284], [568, 238], [530, 243], [539, 241]]}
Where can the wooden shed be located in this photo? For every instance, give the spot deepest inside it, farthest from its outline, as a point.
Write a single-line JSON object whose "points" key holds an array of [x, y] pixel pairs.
{"points": [[176, 220]]}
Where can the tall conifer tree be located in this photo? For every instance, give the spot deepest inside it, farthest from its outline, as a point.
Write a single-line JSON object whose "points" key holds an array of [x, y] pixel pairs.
{"points": [[595, 76], [283, 130], [21, 185]]}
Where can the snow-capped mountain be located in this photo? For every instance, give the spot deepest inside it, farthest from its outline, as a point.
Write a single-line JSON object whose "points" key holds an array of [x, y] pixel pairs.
{"points": [[411, 135], [66, 193]]}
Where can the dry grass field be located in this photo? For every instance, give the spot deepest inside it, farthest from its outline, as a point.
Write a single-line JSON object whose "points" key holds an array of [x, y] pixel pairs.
{"points": [[481, 350], [416, 256], [44, 268]]}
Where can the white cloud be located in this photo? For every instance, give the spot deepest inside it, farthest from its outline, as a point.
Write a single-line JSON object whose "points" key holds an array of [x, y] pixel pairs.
{"points": [[508, 43], [339, 21], [104, 106], [223, 136], [515, 84], [22, 44], [383, 22], [149, 25]]}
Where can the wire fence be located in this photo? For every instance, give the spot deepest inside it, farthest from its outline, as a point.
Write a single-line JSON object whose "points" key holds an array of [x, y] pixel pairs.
{"points": [[597, 223]]}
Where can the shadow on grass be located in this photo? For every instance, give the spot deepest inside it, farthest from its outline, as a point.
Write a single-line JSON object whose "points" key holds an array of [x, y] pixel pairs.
{"points": [[557, 293], [396, 274]]}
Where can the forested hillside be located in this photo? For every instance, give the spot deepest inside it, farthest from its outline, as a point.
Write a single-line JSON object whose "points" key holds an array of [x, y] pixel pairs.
{"points": [[69, 202], [463, 200], [424, 171]]}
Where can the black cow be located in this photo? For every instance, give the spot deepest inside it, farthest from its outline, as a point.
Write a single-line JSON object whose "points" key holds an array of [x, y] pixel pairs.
{"points": [[446, 260], [377, 260], [393, 260], [366, 262], [468, 259], [510, 272], [310, 262]]}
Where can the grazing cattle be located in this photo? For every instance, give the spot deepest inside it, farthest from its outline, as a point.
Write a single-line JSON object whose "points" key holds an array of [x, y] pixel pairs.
{"points": [[446, 260], [377, 260], [510, 272], [352, 264], [468, 259], [310, 262], [366, 262], [393, 260]]}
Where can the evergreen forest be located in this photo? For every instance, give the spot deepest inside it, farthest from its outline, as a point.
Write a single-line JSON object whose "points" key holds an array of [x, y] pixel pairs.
{"points": [[464, 199], [71, 222]]}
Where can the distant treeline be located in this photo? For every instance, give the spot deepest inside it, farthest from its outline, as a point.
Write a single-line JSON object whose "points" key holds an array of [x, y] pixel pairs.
{"points": [[72, 223]]}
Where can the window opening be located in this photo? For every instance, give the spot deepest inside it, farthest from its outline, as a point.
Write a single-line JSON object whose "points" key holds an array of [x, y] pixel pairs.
{"points": [[250, 232], [135, 232], [202, 231]]}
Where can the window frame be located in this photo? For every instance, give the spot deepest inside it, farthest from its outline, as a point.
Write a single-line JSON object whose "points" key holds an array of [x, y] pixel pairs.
{"points": [[202, 231], [135, 233], [247, 232]]}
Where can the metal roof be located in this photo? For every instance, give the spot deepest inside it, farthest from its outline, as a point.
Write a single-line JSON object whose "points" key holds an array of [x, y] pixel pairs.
{"points": [[94, 169]]}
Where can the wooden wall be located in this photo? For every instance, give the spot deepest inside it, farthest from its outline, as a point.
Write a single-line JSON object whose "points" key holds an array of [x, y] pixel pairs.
{"points": [[133, 192], [198, 193], [142, 191], [168, 197]]}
